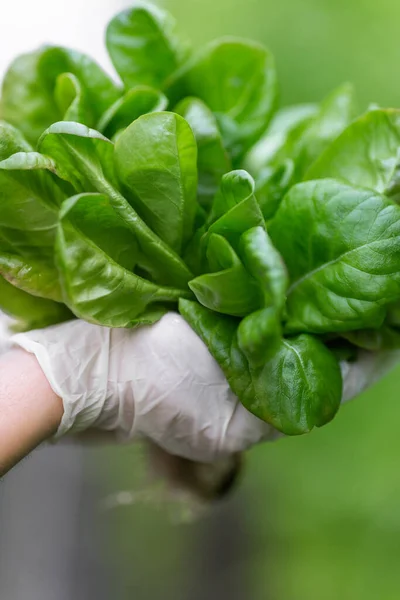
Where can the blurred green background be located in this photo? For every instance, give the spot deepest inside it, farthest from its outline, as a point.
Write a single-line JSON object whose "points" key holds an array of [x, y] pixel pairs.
{"points": [[316, 517], [317, 43]]}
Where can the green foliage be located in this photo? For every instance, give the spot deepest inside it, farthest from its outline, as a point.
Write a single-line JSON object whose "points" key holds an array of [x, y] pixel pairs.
{"points": [[123, 205]]}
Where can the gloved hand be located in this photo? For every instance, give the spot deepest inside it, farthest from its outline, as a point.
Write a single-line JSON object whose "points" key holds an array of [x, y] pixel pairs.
{"points": [[161, 383], [157, 382]]}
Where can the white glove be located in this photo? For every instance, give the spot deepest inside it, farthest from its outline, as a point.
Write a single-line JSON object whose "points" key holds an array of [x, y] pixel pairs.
{"points": [[159, 382], [4, 333]]}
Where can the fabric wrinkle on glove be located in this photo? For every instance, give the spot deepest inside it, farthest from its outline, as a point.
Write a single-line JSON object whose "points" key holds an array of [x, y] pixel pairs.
{"points": [[160, 382]]}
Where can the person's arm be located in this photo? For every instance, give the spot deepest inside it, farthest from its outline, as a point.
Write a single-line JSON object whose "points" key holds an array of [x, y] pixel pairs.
{"points": [[30, 412]]}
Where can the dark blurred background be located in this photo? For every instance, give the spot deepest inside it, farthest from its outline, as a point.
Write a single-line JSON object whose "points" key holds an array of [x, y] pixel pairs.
{"points": [[316, 517]]}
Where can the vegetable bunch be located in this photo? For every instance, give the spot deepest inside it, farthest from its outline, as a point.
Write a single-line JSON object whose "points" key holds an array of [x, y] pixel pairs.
{"points": [[275, 233]]}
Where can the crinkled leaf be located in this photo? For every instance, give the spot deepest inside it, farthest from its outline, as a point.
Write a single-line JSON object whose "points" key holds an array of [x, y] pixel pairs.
{"points": [[96, 287], [366, 154], [29, 200], [135, 103], [298, 389], [212, 159], [275, 138], [235, 209], [236, 78], [160, 178], [293, 149], [28, 95], [81, 155], [232, 290], [95, 217], [85, 158], [144, 45], [345, 265], [310, 138]]}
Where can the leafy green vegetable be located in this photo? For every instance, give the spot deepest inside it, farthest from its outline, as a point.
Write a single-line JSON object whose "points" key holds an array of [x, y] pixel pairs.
{"points": [[345, 265], [237, 80], [31, 92], [135, 103], [72, 100], [29, 200], [266, 265], [393, 314], [97, 284], [301, 386], [232, 290], [275, 138], [119, 204], [160, 179], [39, 278], [31, 312], [374, 340], [235, 209], [288, 390], [81, 156], [294, 144], [235, 187], [309, 139], [259, 335], [144, 45], [365, 154], [212, 159], [86, 159]]}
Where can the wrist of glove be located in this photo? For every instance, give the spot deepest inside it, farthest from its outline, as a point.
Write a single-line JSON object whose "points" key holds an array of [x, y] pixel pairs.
{"points": [[160, 383]]}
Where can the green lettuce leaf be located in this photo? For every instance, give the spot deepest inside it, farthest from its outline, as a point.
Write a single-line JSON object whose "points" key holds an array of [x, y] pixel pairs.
{"points": [[30, 96], [345, 265], [299, 388], [236, 78], [29, 311], [95, 253], [366, 154], [144, 45], [212, 159], [85, 158], [137, 102], [160, 180]]}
